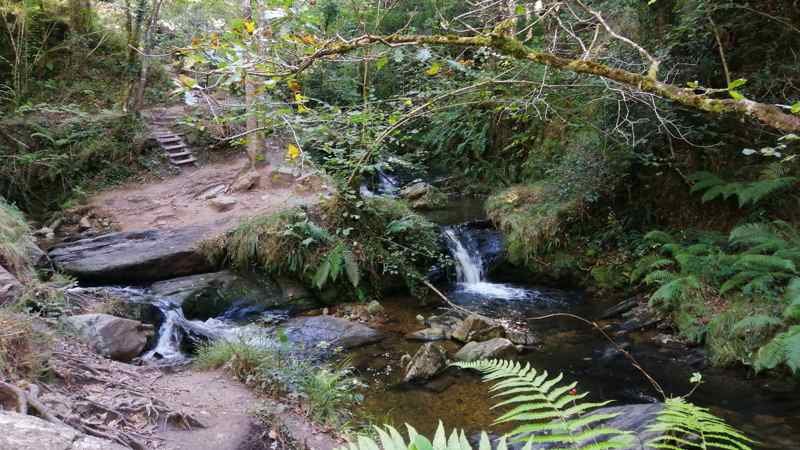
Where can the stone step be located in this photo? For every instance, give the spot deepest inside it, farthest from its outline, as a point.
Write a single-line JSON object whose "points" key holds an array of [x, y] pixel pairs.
{"points": [[166, 139], [181, 162], [174, 147], [179, 154]]}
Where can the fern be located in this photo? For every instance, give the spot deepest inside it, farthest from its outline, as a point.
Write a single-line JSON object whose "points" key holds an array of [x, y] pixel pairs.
{"points": [[550, 412], [682, 425], [746, 192], [783, 349], [391, 439]]}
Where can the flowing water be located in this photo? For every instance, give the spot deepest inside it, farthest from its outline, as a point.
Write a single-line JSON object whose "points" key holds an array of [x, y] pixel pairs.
{"points": [[768, 410]]}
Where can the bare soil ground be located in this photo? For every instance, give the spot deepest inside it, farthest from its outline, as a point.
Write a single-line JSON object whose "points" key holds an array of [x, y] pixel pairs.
{"points": [[180, 200]]}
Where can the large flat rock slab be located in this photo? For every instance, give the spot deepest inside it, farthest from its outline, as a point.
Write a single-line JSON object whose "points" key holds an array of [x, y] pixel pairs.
{"points": [[329, 331], [135, 256], [21, 432]]}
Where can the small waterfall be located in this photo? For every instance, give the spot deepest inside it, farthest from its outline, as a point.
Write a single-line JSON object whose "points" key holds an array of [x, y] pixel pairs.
{"points": [[170, 335], [470, 269], [387, 184]]}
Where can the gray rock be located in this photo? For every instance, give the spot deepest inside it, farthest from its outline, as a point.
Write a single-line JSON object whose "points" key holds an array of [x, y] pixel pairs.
{"points": [[178, 290], [222, 203], [113, 337], [134, 256], [282, 177], [335, 332], [23, 432], [521, 337], [293, 291], [493, 348], [10, 287], [475, 328], [246, 181], [428, 361], [428, 334], [416, 190]]}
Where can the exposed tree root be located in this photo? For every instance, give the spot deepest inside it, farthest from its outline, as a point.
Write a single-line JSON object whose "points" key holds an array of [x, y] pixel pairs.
{"points": [[100, 398]]}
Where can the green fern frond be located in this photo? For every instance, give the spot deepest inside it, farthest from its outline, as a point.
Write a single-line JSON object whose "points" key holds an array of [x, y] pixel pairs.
{"points": [[551, 412], [783, 349], [754, 192], [659, 237], [792, 297], [757, 324], [683, 425], [659, 277], [764, 263], [746, 192], [704, 180], [391, 439]]}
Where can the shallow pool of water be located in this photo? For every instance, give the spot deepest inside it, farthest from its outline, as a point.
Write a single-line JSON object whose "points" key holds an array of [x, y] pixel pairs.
{"points": [[460, 399]]}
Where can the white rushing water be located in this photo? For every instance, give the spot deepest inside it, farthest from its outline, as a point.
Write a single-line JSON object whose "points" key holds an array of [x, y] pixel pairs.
{"points": [[168, 346], [470, 272]]}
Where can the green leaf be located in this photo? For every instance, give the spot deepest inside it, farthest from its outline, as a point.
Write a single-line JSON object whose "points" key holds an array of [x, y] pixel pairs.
{"points": [[736, 83], [796, 108], [351, 267], [381, 62], [736, 95], [434, 69], [519, 10], [321, 276]]}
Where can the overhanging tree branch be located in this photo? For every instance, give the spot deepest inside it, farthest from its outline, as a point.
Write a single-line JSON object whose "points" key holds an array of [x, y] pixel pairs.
{"points": [[767, 114]]}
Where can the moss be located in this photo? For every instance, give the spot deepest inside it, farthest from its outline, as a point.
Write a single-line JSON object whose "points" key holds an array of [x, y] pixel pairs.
{"points": [[533, 218], [343, 248], [15, 241]]}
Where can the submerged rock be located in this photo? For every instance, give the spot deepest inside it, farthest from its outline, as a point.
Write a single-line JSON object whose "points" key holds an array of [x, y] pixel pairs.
{"points": [[113, 337], [329, 331], [428, 334], [29, 432], [428, 361], [493, 348], [134, 256]]}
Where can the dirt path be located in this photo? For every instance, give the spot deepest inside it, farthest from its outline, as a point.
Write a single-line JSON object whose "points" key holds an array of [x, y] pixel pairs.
{"points": [[223, 405], [183, 199]]}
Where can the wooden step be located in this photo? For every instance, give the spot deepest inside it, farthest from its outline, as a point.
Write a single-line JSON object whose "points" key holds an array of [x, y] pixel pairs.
{"points": [[177, 155]]}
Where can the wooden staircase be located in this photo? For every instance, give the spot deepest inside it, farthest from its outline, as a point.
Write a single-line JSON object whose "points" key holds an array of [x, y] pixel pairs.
{"points": [[172, 143]]}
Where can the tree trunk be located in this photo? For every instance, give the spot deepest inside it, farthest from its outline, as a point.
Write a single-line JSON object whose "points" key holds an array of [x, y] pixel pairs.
{"points": [[149, 40], [80, 15], [250, 90]]}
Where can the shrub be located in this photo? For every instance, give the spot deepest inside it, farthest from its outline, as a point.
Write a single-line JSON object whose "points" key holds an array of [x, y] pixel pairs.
{"points": [[328, 391]]}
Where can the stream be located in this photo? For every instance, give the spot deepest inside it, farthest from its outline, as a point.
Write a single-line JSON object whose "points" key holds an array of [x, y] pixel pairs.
{"points": [[768, 410]]}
